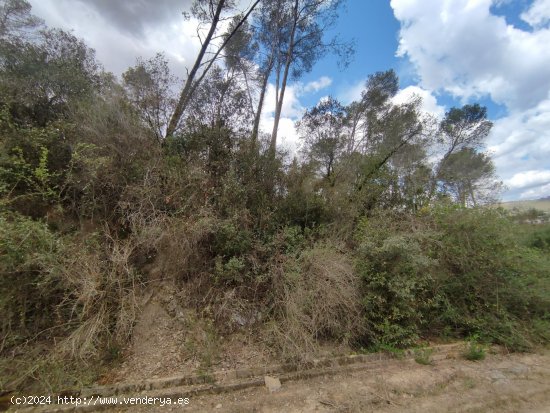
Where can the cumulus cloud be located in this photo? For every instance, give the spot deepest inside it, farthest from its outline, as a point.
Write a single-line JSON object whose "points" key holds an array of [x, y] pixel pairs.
{"points": [[538, 15], [292, 110], [429, 101], [521, 141], [136, 16], [460, 47], [121, 31], [317, 85], [529, 179], [520, 147]]}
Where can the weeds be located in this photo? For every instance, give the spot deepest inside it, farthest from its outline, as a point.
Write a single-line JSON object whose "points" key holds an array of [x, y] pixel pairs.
{"points": [[395, 352], [317, 298], [423, 356], [475, 350], [451, 272]]}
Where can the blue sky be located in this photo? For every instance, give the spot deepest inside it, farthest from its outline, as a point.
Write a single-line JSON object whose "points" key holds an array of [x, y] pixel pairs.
{"points": [[374, 29], [513, 33], [452, 52], [376, 44]]}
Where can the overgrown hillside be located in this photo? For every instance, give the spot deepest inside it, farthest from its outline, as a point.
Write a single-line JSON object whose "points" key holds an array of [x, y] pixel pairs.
{"points": [[362, 239]]}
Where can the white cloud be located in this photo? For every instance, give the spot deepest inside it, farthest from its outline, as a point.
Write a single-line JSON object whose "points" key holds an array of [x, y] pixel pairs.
{"points": [[521, 141], [317, 85], [538, 15], [536, 193], [118, 43], [529, 179], [460, 47], [429, 101]]}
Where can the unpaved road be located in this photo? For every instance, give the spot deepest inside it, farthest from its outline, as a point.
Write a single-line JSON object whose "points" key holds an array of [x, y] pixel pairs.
{"points": [[500, 383]]}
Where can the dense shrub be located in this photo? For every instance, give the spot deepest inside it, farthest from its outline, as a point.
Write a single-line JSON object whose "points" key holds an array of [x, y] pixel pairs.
{"points": [[31, 281], [32, 166], [540, 238], [450, 271], [399, 277], [488, 277]]}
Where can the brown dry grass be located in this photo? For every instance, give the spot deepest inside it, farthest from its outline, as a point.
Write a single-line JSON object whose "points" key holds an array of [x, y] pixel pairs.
{"points": [[317, 298]]}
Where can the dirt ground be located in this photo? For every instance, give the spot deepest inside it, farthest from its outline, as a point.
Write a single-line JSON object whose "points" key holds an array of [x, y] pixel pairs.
{"points": [[500, 383], [170, 340]]}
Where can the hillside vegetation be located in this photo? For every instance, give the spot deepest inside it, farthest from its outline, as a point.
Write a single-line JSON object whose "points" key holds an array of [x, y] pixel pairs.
{"points": [[359, 240]]}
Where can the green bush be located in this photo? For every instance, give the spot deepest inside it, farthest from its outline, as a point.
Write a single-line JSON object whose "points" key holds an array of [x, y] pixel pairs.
{"points": [[488, 277], [475, 350], [30, 280], [398, 281], [232, 238], [32, 164], [451, 270], [232, 271], [540, 239]]}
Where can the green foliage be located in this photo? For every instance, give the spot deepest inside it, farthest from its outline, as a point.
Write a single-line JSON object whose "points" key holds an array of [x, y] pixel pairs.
{"points": [[32, 163], [398, 280], [232, 239], [487, 275], [293, 240], [450, 270], [475, 350], [540, 239], [231, 271], [30, 281], [322, 131], [40, 78], [302, 206]]}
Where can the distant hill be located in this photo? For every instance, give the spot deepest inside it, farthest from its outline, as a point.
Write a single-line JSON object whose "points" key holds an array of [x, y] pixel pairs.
{"points": [[542, 204]]}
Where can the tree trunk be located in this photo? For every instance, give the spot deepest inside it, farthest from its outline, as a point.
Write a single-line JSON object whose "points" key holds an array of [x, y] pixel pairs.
{"points": [[213, 60], [279, 105], [191, 86], [247, 84], [257, 117], [182, 102]]}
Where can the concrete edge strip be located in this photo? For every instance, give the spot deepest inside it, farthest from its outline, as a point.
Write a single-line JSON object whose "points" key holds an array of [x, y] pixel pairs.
{"points": [[196, 385]]}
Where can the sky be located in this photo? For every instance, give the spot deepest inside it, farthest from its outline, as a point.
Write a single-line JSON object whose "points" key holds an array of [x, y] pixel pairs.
{"points": [[449, 52]]}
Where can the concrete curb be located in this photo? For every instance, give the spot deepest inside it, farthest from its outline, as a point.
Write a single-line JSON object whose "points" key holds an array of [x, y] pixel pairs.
{"points": [[229, 381]]}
